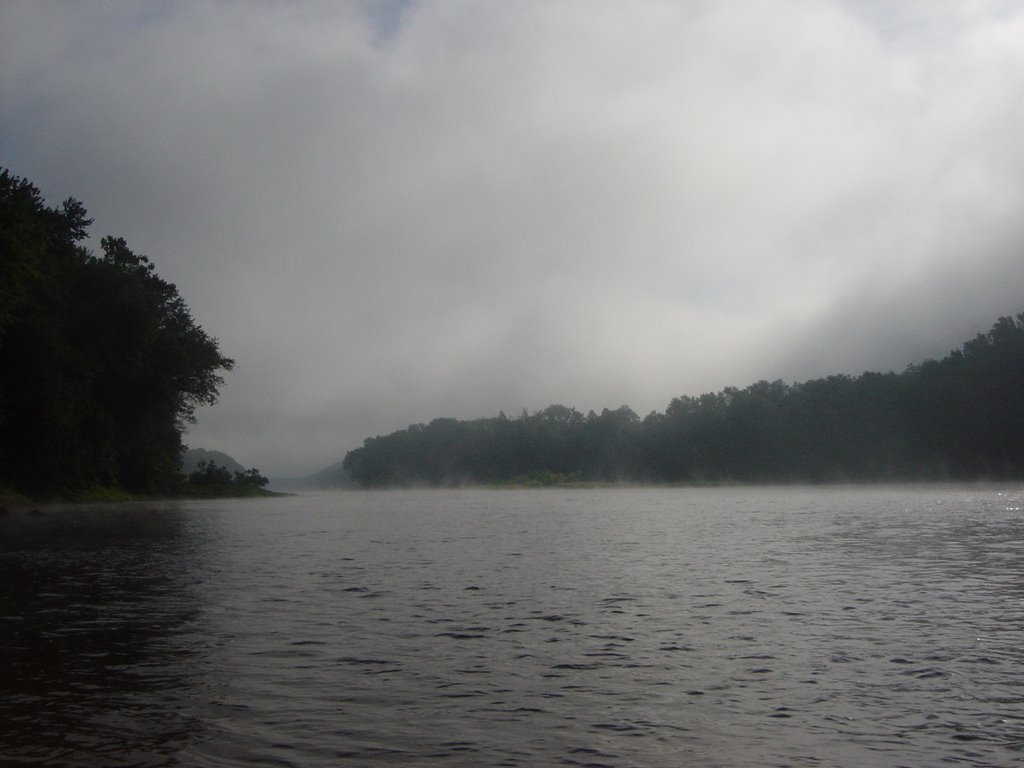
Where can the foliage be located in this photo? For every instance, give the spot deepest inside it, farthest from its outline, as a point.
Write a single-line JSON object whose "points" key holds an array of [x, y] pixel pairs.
{"points": [[212, 479], [543, 479], [251, 478], [959, 418], [211, 475], [101, 362]]}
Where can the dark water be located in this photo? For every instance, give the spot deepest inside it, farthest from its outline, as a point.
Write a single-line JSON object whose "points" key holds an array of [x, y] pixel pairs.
{"points": [[711, 627]]}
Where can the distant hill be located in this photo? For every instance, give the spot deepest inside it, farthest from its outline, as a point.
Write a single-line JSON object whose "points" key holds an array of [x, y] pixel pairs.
{"points": [[955, 419], [329, 478], [334, 476], [191, 458]]}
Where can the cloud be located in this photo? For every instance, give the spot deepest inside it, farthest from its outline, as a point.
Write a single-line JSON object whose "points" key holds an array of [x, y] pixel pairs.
{"points": [[391, 212]]}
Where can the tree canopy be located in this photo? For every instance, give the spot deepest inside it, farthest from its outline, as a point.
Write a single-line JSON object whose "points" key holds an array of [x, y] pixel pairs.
{"points": [[959, 418], [101, 362]]}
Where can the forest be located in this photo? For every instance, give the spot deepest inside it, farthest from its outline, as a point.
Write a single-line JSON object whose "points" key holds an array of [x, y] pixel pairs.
{"points": [[102, 367], [958, 418], [101, 362]]}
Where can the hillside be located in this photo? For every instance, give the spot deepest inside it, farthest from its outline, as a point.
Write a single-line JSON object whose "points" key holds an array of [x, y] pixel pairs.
{"points": [[959, 418]]}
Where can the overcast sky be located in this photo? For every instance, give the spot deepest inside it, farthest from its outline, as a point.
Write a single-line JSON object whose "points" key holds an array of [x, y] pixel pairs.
{"points": [[392, 211]]}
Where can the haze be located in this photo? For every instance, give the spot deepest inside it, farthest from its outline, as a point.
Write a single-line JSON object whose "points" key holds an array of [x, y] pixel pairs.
{"points": [[389, 212]]}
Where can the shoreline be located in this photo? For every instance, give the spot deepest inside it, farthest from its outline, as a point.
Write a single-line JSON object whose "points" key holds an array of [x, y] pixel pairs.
{"points": [[12, 501]]}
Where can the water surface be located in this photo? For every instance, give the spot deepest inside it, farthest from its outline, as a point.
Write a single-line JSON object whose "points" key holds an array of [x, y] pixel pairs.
{"points": [[602, 627]]}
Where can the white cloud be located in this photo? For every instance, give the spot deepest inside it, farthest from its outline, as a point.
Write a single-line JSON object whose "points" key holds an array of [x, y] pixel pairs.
{"points": [[390, 213]]}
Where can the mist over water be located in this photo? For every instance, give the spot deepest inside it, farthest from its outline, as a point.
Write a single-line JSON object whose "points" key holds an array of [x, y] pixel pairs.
{"points": [[713, 627]]}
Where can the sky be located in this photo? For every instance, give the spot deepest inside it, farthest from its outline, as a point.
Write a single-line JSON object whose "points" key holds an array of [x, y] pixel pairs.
{"points": [[388, 212]]}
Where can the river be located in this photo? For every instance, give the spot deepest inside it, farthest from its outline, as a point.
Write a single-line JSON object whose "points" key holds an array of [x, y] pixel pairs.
{"points": [[875, 626]]}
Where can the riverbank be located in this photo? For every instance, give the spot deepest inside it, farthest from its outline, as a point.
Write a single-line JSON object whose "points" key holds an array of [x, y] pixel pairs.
{"points": [[11, 499]]}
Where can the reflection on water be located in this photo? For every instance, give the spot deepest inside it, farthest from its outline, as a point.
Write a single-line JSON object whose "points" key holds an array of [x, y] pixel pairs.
{"points": [[717, 627], [98, 616]]}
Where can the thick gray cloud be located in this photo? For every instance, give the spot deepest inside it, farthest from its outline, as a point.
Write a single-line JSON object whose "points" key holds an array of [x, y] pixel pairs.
{"points": [[393, 211]]}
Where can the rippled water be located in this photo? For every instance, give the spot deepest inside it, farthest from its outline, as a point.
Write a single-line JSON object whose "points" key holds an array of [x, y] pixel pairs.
{"points": [[709, 627]]}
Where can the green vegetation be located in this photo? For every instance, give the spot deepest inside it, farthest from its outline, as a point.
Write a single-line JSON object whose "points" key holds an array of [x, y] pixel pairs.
{"points": [[959, 418], [543, 479], [212, 480], [12, 497], [193, 457], [101, 363]]}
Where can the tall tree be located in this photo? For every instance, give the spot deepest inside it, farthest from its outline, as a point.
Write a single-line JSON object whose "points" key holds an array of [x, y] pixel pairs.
{"points": [[101, 363]]}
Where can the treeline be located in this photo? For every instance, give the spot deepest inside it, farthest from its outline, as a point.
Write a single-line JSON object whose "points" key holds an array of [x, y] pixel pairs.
{"points": [[101, 363], [210, 479], [959, 418]]}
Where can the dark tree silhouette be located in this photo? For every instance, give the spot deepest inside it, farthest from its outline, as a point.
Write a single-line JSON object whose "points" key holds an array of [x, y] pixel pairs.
{"points": [[101, 362], [961, 417]]}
